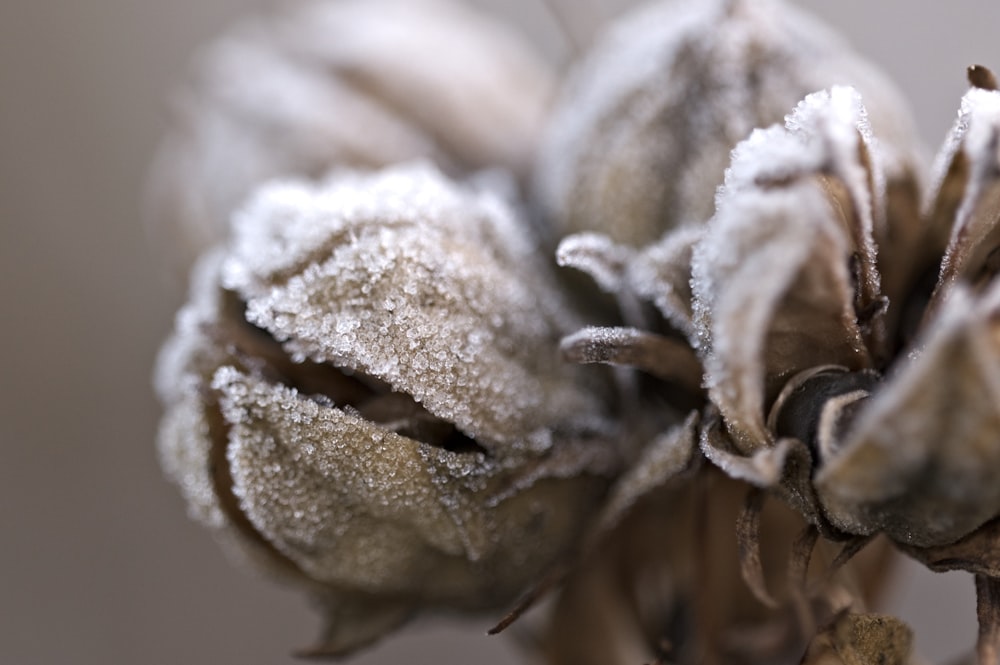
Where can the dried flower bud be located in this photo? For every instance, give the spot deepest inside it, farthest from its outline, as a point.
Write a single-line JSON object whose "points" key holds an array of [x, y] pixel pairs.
{"points": [[357, 83], [641, 136], [802, 350], [365, 395]]}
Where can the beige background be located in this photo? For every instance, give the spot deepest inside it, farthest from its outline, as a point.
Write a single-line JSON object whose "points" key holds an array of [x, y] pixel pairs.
{"points": [[97, 562]]}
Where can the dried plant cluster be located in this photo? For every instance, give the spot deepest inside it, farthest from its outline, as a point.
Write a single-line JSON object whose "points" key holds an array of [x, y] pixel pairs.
{"points": [[385, 391]]}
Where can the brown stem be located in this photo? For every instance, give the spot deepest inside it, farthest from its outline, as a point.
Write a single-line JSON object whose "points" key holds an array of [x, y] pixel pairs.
{"points": [[988, 611]]}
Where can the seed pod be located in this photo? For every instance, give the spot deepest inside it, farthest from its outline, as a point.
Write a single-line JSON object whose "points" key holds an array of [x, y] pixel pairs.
{"points": [[365, 395], [353, 83], [641, 134]]}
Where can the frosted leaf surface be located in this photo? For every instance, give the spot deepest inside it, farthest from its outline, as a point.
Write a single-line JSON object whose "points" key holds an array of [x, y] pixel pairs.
{"points": [[357, 83], [414, 281], [662, 461], [642, 132], [921, 460]]}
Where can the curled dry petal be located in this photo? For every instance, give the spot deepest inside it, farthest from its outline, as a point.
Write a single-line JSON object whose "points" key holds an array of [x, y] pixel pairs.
{"points": [[642, 131], [659, 273], [356, 83], [774, 291], [970, 192], [453, 480], [921, 461]]}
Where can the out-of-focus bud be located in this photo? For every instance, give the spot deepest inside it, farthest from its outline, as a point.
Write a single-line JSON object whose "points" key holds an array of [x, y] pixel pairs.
{"points": [[641, 134], [365, 396], [356, 83]]}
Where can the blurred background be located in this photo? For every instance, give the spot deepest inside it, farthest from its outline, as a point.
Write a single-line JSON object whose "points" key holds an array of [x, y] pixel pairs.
{"points": [[98, 563]]}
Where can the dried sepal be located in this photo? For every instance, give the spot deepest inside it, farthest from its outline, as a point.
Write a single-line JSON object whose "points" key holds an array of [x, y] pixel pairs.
{"points": [[665, 358], [661, 462], [664, 585], [660, 274], [642, 132], [913, 465], [380, 490], [352, 83]]}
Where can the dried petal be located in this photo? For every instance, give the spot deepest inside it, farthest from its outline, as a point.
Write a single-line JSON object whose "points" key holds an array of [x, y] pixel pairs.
{"points": [[921, 460], [642, 133], [774, 292]]}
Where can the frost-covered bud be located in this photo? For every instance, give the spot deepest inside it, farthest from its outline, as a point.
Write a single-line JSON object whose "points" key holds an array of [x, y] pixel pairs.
{"points": [[641, 134], [365, 393], [352, 83]]}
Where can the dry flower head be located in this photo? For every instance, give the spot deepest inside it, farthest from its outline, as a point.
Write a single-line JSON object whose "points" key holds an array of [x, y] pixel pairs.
{"points": [[376, 391]]}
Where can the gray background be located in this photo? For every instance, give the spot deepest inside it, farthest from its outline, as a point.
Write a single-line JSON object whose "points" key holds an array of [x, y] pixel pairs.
{"points": [[98, 563]]}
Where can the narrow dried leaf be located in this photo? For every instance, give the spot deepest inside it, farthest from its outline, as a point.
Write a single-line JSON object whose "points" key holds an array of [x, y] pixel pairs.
{"points": [[665, 358], [977, 553], [598, 256], [661, 462], [748, 537]]}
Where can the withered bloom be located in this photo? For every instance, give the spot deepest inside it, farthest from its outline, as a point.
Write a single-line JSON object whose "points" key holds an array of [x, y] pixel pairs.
{"points": [[368, 394], [365, 397], [858, 384], [641, 133], [349, 83]]}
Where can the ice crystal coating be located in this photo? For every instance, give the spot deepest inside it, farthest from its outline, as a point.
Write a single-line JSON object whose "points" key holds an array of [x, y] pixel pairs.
{"points": [[641, 135], [365, 396], [356, 83]]}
